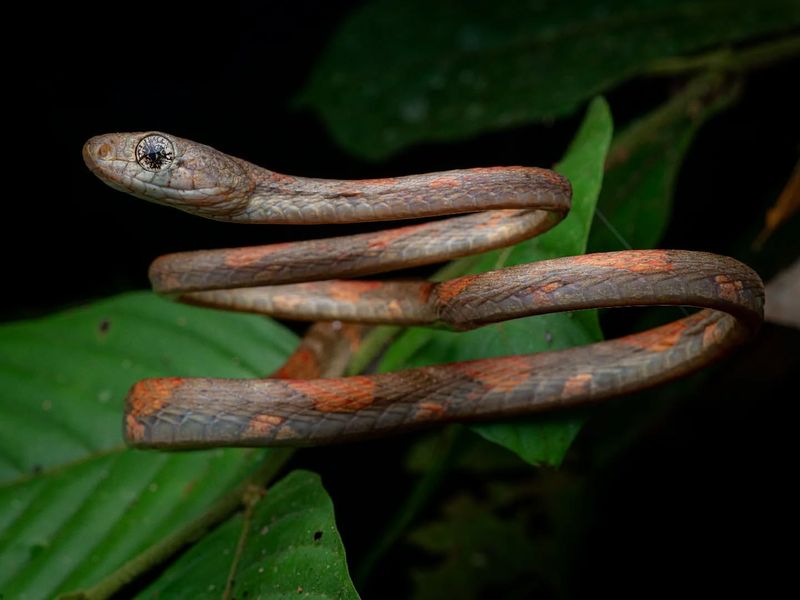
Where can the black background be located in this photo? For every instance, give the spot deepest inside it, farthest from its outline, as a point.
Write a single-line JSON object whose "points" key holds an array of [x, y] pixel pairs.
{"points": [[700, 497]]}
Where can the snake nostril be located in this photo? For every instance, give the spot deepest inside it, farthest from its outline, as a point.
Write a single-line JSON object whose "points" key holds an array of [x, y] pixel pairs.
{"points": [[104, 151]]}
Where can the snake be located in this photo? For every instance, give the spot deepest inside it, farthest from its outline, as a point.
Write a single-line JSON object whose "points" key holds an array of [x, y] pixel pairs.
{"points": [[318, 281]]}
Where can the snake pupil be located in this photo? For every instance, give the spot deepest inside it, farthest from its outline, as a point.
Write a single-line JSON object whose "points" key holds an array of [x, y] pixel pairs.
{"points": [[154, 153]]}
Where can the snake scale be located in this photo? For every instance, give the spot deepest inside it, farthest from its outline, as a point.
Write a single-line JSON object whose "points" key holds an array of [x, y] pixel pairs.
{"points": [[312, 280]]}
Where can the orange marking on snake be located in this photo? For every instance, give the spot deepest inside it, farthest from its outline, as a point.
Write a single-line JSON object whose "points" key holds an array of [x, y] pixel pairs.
{"points": [[395, 308], [286, 433], [281, 178], [387, 237], [352, 291], [428, 410], [505, 375], [383, 181], [650, 262], [657, 340], [541, 294], [133, 429], [425, 292], [262, 425], [498, 216], [577, 385], [728, 288], [447, 290], [245, 257], [288, 302], [445, 182], [302, 364], [337, 395], [150, 395]]}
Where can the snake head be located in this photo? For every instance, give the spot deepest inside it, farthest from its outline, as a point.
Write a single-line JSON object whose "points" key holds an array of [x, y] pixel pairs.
{"points": [[172, 171]]}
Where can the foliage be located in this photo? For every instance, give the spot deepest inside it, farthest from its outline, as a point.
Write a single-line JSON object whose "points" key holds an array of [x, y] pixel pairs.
{"points": [[482, 65], [82, 514], [285, 544]]}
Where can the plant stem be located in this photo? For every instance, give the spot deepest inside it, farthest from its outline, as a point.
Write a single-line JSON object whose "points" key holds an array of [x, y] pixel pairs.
{"points": [[729, 60], [707, 91], [251, 498], [371, 346]]}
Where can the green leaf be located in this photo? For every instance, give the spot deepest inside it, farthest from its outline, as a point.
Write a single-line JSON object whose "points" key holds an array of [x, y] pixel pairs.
{"points": [[544, 440], [75, 503], [385, 82], [644, 162], [288, 547]]}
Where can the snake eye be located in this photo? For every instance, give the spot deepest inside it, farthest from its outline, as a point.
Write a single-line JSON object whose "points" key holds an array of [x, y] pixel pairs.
{"points": [[154, 153]]}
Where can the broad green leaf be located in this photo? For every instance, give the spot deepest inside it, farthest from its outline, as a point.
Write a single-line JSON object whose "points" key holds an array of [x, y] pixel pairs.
{"points": [[644, 162], [75, 503], [289, 548], [544, 440], [400, 72]]}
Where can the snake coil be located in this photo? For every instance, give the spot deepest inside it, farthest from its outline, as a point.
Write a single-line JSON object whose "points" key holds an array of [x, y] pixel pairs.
{"points": [[300, 280]]}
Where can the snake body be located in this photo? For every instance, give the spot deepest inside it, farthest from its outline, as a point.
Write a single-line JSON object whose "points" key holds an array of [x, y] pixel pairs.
{"points": [[299, 280]]}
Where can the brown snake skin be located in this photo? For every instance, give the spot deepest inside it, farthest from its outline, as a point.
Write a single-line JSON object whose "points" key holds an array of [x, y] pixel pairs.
{"points": [[296, 281]]}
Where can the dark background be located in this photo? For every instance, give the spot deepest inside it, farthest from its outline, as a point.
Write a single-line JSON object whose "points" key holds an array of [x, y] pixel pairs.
{"points": [[696, 498]]}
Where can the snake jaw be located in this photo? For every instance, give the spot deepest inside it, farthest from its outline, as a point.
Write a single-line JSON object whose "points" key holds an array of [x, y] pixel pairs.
{"points": [[191, 177]]}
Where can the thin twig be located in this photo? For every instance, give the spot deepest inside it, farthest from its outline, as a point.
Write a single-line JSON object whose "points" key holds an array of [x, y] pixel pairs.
{"points": [[252, 497], [729, 60]]}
